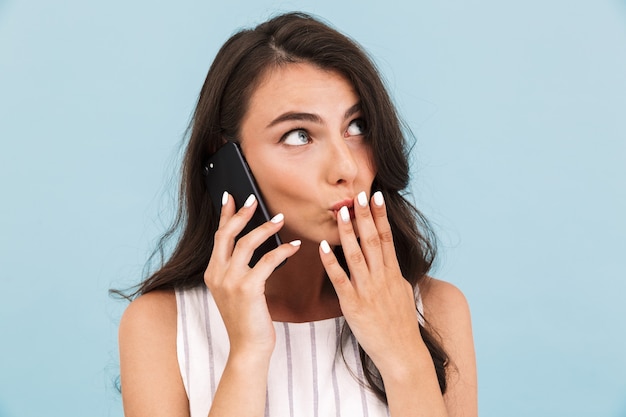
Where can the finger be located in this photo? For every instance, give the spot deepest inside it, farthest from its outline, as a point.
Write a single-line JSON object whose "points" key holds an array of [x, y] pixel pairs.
{"points": [[368, 234], [379, 212], [270, 261], [246, 245], [227, 209], [231, 224], [351, 249], [336, 274]]}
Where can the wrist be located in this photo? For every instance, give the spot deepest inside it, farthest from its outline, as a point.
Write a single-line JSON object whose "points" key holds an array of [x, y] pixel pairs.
{"points": [[407, 367], [249, 358]]}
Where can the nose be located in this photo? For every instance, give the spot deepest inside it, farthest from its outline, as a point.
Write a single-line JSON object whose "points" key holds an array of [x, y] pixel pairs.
{"points": [[341, 162]]}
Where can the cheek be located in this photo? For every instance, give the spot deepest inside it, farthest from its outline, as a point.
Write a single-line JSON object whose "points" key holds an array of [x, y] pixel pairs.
{"points": [[283, 174], [280, 185], [367, 164]]}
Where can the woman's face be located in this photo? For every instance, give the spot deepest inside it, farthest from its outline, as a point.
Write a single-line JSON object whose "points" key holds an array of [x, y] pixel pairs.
{"points": [[303, 138]]}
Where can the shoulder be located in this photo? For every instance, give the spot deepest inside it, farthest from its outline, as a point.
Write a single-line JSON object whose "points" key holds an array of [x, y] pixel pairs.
{"points": [[447, 312], [150, 376], [149, 320], [154, 309], [436, 292], [443, 302]]}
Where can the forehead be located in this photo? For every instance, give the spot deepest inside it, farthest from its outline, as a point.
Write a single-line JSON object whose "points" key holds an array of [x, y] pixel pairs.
{"points": [[301, 86]]}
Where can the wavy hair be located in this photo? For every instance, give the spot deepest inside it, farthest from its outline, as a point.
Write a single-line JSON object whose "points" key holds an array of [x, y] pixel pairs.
{"points": [[234, 74]]}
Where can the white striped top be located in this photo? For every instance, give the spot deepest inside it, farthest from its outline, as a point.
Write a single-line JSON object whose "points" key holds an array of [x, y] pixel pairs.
{"points": [[307, 376]]}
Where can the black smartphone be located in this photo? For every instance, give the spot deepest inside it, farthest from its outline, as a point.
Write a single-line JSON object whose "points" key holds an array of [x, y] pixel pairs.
{"points": [[227, 170]]}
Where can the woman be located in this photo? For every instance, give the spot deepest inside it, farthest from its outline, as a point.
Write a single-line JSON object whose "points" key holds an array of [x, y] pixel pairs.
{"points": [[351, 324]]}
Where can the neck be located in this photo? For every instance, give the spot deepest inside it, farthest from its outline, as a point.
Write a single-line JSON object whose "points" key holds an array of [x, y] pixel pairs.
{"points": [[299, 290]]}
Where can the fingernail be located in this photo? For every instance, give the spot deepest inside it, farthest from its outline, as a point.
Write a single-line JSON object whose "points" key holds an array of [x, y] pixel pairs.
{"points": [[345, 214], [295, 242], [378, 198], [362, 199], [278, 218], [325, 246], [249, 201], [225, 198]]}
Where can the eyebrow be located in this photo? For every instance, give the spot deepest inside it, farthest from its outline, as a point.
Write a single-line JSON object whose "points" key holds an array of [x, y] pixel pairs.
{"points": [[310, 117]]}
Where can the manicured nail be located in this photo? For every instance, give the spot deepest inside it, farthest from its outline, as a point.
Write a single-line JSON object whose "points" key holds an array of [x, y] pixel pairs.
{"points": [[325, 246], [278, 218], [362, 199], [378, 199], [344, 214], [295, 242], [249, 201], [225, 198]]}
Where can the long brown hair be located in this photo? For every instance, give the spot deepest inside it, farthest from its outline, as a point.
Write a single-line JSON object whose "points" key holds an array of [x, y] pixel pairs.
{"points": [[223, 101]]}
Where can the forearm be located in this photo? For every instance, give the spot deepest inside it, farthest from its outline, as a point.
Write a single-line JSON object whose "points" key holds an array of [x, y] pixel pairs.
{"points": [[242, 388], [412, 388]]}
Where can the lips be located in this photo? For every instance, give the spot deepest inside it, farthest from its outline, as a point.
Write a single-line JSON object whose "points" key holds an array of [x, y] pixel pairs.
{"points": [[347, 203]]}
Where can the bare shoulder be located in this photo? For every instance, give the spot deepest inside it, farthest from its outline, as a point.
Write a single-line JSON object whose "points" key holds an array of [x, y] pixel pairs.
{"points": [[156, 308], [446, 310], [443, 301], [150, 376], [148, 329]]}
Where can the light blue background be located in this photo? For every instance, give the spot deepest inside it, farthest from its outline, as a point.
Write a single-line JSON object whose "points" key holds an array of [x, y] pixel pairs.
{"points": [[519, 109]]}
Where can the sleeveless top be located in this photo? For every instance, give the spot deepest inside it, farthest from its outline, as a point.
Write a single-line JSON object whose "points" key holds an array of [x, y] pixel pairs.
{"points": [[308, 375]]}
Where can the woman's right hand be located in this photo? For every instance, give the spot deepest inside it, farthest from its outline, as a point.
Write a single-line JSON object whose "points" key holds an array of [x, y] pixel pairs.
{"points": [[238, 290]]}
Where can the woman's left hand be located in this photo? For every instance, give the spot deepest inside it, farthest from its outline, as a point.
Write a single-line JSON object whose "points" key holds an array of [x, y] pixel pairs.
{"points": [[376, 300]]}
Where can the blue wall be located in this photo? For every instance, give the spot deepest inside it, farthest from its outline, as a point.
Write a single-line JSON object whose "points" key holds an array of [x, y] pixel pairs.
{"points": [[519, 109]]}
